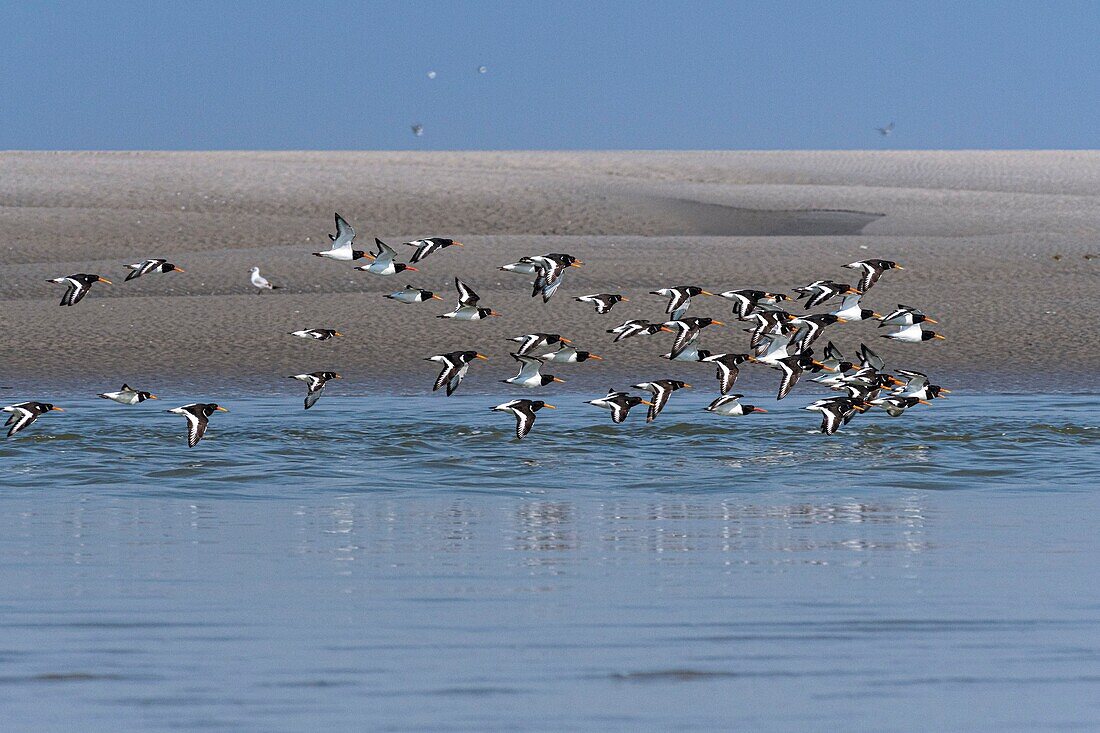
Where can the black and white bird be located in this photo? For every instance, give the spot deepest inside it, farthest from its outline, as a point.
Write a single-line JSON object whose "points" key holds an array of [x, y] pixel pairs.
{"points": [[872, 270], [198, 415], [317, 334], [382, 261], [531, 342], [637, 327], [885, 131], [768, 323], [918, 385], [128, 396], [730, 405], [747, 301], [662, 389], [687, 331], [429, 246], [792, 368], [811, 327], [727, 368], [905, 315], [260, 282], [912, 334], [567, 355], [530, 374], [835, 411], [834, 361], [25, 413], [820, 291], [343, 244], [467, 308], [868, 359], [146, 267], [619, 403], [679, 298], [315, 384], [604, 302], [524, 411], [850, 309], [412, 295], [455, 365], [78, 286], [551, 268], [896, 405], [523, 266]]}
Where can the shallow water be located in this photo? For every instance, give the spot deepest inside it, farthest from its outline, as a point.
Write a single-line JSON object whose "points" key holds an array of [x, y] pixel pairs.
{"points": [[402, 564]]}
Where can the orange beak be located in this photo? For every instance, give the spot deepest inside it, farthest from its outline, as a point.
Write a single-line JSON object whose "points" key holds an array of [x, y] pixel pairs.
{"points": [[458, 244], [717, 323], [550, 406], [597, 358], [180, 269], [566, 341], [898, 267], [666, 329], [219, 408], [153, 397], [411, 269], [876, 315], [842, 320], [494, 314], [578, 263], [924, 402], [482, 356], [758, 409], [945, 391], [931, 320], [559, 380], [626, 300], [56, 409], [706, 293], [337, 376], [104, 280], [337, 333], [938, 336], [647, 402], [436, 297]]}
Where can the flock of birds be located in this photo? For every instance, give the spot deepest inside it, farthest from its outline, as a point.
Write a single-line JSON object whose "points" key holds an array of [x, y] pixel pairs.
{"points": [[778, 339]]}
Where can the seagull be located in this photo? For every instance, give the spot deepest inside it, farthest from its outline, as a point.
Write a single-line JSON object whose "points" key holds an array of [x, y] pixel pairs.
{"points": [[905, 315], [79, 285], [524, 410], [912, 334], [532, 341], [730, 405], [128, 396], [417, 129], [25, 413], [455, 365], [604, 302], [315, 382], [679, 298], [885, 131], [198, 415], [662, 389], [687, 331], [727, 368], [619, 403], [567, 355], [148, 266], [747, 301], [872, 270], [261, 282], [529, 374], [635, 327], [382, 261], [467, 308], [317, 334], [429, 246], [412, 295], [850, 309], [343, 243], [548, 276]]}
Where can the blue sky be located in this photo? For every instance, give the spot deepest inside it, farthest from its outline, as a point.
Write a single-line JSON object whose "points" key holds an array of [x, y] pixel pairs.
{"points": [[577, 75]]}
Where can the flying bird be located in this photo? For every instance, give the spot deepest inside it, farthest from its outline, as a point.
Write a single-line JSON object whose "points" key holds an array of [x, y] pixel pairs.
{"points": [[382, 261], [912, 334], [731, 406], [317, 334], [429, 246], [662, 389], [78, 286], [604, 302], [146, 267], [343, 243], [727, 368], [524, 411], [25, 413], [467, 308], [532, 341], [198, 415], [455, 365], [636, 327], [315, 385], [885, 131], [619, 403], [530, 374], [412, 295], [128, 396], [872, 270], [679, 298]]}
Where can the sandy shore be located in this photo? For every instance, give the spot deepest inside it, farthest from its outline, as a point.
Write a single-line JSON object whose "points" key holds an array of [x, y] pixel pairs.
{"points": [[1002, 247]]}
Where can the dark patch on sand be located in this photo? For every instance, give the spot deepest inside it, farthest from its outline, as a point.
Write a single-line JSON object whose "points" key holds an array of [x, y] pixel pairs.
{"points": [[680, 217]]}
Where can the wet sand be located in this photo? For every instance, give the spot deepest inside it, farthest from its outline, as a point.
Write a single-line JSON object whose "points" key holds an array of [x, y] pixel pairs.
{"points": [[1002, 247]]}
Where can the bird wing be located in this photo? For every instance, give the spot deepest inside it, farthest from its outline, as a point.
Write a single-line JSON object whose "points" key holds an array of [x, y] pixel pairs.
{"points": [[449, 368], [456, 378], [916, 379], [525, 419], [316, 388], [75, 292], [661, 394], [791, 373], [21, 417], [385, 254], [871, 274], [685, 334], [424, 247], [196, 427], [868, 358], [677, 299], [830, 419], [466, 294], [529, 366], [619, 411], [345, 233]]}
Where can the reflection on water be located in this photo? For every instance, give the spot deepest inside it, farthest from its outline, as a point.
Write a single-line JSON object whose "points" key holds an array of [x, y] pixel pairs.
{"points": [[940, 571]]}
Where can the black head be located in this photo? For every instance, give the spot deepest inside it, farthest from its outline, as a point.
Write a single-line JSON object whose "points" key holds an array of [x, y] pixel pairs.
{"points": [[537, 405], [676, 384], [402, 267], [327, 375], [692, 290], [357, 254]]}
